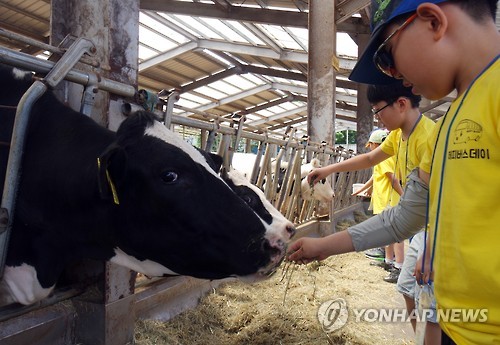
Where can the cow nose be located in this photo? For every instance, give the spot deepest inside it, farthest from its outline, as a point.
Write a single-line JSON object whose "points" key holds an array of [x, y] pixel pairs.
{"points": [[275, 249], [291, 230]]}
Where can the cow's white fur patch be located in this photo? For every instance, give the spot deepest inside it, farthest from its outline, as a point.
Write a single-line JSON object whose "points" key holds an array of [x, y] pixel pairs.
{"points": [[20, 283], [163, 133], [147, 267], [277, 231], [240, 180], [19, 74], [321, 191]]}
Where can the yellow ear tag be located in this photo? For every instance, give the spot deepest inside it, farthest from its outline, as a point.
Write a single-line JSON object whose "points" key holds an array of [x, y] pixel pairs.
{"points": [[113, 189], [111, 184]]}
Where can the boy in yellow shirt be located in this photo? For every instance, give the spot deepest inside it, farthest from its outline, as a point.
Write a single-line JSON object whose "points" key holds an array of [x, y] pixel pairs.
{"points": [[436, 47], [383, 195]]}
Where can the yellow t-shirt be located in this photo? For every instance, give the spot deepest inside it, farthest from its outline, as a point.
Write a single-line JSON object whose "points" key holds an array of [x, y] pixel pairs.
{"points": [[464, 214], [383, 193], [411, 151]]}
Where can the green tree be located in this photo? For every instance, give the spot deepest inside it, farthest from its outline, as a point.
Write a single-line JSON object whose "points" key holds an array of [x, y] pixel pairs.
{"points": [[341, 136]]}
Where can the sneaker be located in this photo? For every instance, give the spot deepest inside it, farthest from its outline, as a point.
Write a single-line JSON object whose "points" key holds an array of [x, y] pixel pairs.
{"points": [[393, 275], [375, 253], [386, 266]]}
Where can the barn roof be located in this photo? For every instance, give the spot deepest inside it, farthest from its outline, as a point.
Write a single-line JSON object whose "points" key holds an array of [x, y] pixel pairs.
{"points": [[227, 56]]}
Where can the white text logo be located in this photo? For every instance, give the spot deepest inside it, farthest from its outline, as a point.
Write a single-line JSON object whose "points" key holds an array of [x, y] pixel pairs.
{"points": [[333, 314]]}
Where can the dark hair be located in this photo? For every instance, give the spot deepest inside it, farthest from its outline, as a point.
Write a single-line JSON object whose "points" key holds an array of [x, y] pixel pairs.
{"points": [[390, 93], [478, 8]]}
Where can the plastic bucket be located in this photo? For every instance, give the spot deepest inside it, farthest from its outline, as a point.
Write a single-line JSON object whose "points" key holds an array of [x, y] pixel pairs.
{"points": [[356, 187]]}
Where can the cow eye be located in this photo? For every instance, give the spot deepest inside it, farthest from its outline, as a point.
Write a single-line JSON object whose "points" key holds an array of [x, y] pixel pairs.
{"points": [[169, 177], [323, 181]]}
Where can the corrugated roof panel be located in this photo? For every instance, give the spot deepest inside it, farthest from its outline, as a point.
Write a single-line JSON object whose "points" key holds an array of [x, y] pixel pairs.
{"points": [[201, 62], [164, 76], [169, 33], [281, 37], [146, 52], [151, 84], [243, 82]]}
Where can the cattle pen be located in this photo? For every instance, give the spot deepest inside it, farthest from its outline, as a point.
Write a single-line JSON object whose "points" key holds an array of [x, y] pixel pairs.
{"points": [[98, 303]]}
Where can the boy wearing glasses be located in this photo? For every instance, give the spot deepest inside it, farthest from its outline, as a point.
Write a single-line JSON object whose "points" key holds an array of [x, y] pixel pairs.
{"points": [[437, 47], [397, 107]]}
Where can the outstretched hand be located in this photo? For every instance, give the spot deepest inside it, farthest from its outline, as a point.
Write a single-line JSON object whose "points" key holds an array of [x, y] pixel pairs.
{"points": [[317, 175], [305, 250]]}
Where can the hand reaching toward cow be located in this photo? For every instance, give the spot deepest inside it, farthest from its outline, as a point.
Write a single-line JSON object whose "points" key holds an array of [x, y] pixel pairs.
{"points": [[317, 175], [306, 250]]}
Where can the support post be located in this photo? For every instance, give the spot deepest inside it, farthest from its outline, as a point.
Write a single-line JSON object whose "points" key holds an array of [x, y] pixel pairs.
{"points": [[321, 75], [113, 26], [364, 125], [321, 83]]}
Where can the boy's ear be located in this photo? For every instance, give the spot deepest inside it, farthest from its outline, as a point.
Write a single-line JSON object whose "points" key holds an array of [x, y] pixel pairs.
{"points": [[403, 103], [435, 17]]}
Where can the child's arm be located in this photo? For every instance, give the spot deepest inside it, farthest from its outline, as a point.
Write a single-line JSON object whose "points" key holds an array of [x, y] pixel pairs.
{"points": [[392, 225], [367, 185], [307, 249], [359, 162], [394, 182], [395, 223]]}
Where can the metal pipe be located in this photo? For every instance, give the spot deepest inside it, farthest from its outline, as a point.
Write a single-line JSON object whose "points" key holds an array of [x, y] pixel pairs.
{"points": [[172, 98], [214, 117], [209, 126], [43, 46], [14, 163], [32, 63]]}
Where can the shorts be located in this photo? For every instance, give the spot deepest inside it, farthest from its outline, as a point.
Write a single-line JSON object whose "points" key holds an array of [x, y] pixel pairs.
{"points": [[407, 285], [406, 281]]}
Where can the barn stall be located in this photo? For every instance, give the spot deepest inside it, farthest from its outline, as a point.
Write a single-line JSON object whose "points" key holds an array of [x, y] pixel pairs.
{"points": [[98, 303]]}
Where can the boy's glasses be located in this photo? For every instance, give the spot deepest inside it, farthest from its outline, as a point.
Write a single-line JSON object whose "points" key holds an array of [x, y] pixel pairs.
{"points": [[382, 58], [376, 111]]}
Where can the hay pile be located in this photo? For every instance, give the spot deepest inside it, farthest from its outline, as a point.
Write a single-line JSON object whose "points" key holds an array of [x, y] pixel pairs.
{"points": [[283, 309]]}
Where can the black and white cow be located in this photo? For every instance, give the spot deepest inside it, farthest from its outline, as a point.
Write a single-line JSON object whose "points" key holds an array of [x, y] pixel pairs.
{"points": [[141, 197], [321, 191]]}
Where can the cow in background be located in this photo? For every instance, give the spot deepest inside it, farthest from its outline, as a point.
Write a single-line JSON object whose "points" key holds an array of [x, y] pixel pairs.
{"points": [[321, 191], [245, 162], [141, 197]]}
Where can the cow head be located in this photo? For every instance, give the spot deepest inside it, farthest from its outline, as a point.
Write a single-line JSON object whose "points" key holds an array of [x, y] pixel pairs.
{"points": [[321, 191], [176, 215], [278, 228]]}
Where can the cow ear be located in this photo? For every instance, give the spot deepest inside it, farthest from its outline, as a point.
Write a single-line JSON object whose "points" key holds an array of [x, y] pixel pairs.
{"points": [[224, 173], [111, 166], [217, 160]]}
